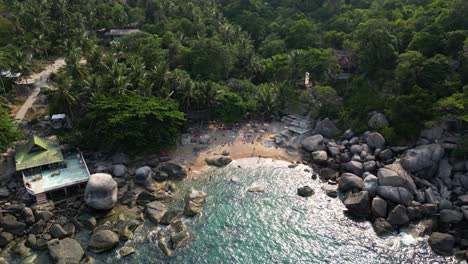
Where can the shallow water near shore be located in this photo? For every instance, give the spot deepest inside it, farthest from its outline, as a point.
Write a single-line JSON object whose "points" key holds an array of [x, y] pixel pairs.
{"points": [[276, 226]]}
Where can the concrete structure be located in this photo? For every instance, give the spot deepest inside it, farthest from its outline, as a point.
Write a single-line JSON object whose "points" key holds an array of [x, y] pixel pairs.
{"points": [[45, 168], [117, 34]]}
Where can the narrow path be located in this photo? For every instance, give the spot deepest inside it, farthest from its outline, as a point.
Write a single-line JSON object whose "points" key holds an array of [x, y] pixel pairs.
{"points": [[40, 80]]}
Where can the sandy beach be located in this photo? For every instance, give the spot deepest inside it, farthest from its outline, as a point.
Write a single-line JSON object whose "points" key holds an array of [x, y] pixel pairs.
{"points": [[248, 140]]}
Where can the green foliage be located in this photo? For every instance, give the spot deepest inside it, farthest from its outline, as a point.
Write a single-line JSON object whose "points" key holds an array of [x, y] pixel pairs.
{"points": [[231, 107], [462, 148], [8, 132], [326, 102], [132, 123]]}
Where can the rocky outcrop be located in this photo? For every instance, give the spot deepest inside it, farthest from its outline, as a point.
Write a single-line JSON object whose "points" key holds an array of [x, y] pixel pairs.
{"points": [[305, 191], [423, 161], [442, 243], [194, 202], [103, 240], [155, 211], [396, 176], [313, 143], [397, 195], [218, 162], [358, 204], [326, 128], [101, 191], [65, 251], [173, 170]]}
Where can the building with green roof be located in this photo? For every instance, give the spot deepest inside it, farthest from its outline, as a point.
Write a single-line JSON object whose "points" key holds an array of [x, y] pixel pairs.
{"points": [[45, 168]]}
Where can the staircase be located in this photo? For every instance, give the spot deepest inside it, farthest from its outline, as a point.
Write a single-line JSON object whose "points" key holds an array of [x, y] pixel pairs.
{"points": [[41, 198]]}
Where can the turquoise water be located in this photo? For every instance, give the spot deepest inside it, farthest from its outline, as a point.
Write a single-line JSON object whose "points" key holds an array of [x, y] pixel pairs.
{"points": [[276, 226]]}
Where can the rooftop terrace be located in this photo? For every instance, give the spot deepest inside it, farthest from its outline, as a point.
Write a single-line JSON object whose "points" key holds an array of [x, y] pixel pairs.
{"points": [[75, 172]]}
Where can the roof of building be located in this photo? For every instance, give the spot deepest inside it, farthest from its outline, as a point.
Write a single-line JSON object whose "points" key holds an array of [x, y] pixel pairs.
{"points": [[37, 152], [120, 32]]}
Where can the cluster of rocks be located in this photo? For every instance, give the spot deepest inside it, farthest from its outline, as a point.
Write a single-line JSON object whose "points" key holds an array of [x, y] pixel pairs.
{"points": [[395, 186], [116, 182]]}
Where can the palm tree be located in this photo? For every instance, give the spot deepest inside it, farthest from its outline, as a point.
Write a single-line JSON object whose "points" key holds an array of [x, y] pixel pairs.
{"points": [[74, 67], [159, 79], [63, 98], [207, 92], [266, 100]]}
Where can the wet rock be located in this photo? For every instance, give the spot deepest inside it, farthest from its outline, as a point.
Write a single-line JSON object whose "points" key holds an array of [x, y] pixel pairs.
{"points": [[354, 167], [164, 247], [180, 235], [442, 243], [379, 207], [313, 143], [375, 140], [358, 204], [101, 191], [13, 226], [143, 176], [305, 191], [218, 162], [65, 251], [194, 202], [370, 184], [125, 233], [126, 251], [450, 216], [20, 249], [326, 128], [155, 211], [378, 121], [423, 160], [171, 216], [382, 227], [349, 181], [145, 197], [330, 190], [173, 170], [103, 240], [398, 216], [397, 195], [57, 231], [5, 238], [119, 170], [161, 176]]}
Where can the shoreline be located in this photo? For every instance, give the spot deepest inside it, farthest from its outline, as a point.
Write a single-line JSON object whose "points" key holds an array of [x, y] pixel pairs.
{"points": [[235, 144]]}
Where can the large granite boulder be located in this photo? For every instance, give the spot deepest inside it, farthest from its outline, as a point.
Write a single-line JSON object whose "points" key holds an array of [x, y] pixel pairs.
{"points": [[313, 143], [326, 128], [218, 162], [423, 161], [143, 176], [450, 216], [118, 170], [103, 240], [370, 184], [355, 167], [375, 140], [358, 204], [379, 207], [442, 243], [67, 251], [349, 181], [432, 134], [174, 171], [194, 202], [378, 121], [396, 176], [155, 211], [397, 195], [101, 191], [398, 216], [13, 226]]}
